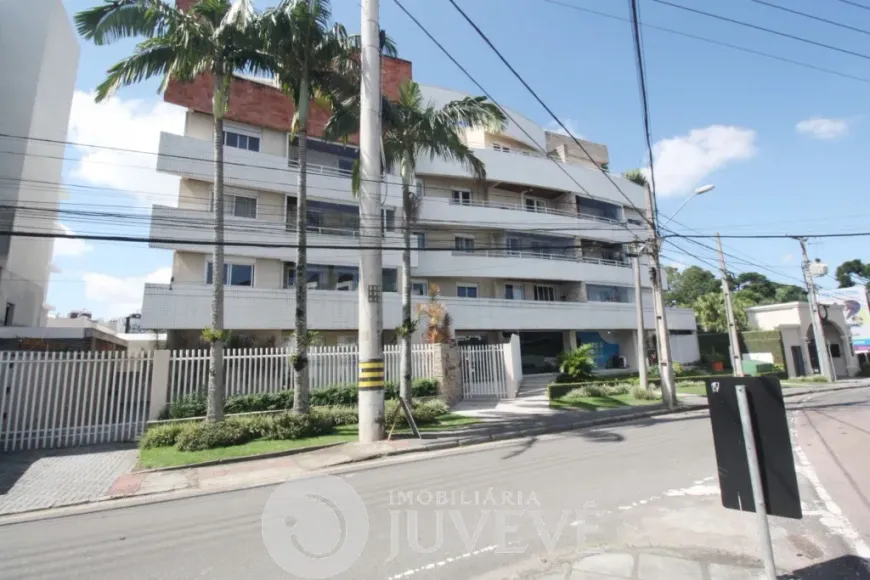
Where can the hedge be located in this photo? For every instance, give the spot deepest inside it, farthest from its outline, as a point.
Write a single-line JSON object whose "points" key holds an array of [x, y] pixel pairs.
{"points": [[559, 390], [334, 395]]}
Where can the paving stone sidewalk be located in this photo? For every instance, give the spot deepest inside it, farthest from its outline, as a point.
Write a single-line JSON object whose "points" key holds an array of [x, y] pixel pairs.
{"points": [[649, 566]]}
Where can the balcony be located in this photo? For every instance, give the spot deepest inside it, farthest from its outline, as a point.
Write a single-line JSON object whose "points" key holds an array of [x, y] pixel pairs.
{"points": [[189, 306], [516, 216], [539, 172], [509, 264], [195, 228], [193, 158]]}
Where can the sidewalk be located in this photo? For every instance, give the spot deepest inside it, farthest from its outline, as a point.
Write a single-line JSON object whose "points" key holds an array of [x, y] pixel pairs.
{"points": [[505, 420]]}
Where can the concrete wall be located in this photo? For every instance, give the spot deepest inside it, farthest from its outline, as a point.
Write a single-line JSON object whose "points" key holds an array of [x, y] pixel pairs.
{"points": [[38, 62]]}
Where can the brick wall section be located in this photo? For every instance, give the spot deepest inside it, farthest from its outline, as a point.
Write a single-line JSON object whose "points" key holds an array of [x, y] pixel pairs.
{"points": [[264, 106]]}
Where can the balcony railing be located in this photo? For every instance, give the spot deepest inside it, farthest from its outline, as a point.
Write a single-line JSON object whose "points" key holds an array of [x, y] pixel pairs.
{"points": [[291, 227], [536, 209], [322, 169], [542, 256]]}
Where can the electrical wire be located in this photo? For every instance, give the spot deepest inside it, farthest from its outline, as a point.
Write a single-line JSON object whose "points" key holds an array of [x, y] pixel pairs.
{"points": [[712, 41], [813, 17], [849, 2], [763, 29]]}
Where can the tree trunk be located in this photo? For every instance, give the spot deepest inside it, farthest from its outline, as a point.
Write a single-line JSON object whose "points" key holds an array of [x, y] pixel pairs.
{"points": [[300, 366], [216, 389], [405, 345]]}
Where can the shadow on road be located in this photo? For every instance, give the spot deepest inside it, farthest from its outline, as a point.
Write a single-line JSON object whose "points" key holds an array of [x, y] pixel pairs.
{"points": [[851, 567], [14, 465]]}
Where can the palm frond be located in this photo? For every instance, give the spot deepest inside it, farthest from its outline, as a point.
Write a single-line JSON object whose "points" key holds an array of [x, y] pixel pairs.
{"points": [[118, 19], [474, 112], [150, 59]]}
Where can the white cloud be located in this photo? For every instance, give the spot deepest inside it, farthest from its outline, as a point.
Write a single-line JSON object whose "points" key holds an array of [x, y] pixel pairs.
{"points": [[821, 128], [121, 296], [126, 124], [682, 162], [67, 247], [678, 265], [787, 258], [572, 125]]}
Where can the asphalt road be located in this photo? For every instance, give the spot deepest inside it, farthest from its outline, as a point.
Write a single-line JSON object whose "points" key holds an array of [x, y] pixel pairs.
{"points": [[432, 518]]}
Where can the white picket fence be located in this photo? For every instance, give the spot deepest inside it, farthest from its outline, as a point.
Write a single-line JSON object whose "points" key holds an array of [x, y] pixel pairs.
{"points": [[485, 372], [63, 399], [267, 370]]}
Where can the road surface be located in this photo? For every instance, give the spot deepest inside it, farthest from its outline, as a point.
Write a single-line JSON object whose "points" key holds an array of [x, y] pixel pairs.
{"points": [[512, 509]]}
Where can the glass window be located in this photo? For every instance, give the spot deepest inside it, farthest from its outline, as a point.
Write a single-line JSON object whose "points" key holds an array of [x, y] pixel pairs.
{"points": [[289, 274], [464, 244], [419, 288], [545, 293], [254, 144], [346, 279], [461, 197], [466, 290], [316, 277], [345, 165], [419, 240], [234, 274], [513, 291], [231, 139], [388, 220], [241, 141], [391, 280], [598, 293], [536, 205], [244, 207]]}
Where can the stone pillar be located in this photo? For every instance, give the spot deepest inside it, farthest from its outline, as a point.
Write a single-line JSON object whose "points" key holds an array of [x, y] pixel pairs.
{"points": [[448, 372], [159, 383]]}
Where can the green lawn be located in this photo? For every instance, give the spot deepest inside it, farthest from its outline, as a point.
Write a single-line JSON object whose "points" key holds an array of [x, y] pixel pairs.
{"points": [[692, 389], [600, 403], [159, 457]]}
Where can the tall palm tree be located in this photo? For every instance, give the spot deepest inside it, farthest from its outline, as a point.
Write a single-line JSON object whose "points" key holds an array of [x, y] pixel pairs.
{"points": [[412, 128], [312, 62], [217, 37]]}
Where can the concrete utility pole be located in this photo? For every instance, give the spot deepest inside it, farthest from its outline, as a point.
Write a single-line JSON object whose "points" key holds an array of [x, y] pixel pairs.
{"points": [[371, 348], [663, 339], [733, 338], [638, 304], [825, 367]]}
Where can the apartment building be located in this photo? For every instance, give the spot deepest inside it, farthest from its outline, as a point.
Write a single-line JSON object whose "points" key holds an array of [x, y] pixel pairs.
{"points": [[39, 56], [539, 251]]}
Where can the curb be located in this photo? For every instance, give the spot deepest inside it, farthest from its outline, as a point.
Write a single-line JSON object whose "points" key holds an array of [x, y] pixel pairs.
{"points": [[240, 459]]}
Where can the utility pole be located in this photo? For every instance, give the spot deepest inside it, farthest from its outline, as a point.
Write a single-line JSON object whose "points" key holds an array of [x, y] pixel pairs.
{"points": [[733, 338], [663, 339], [825, 367], [638, 304], [371, 309]]}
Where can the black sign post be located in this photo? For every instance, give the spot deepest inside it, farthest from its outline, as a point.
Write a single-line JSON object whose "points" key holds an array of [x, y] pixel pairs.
{"points": [[753, 452]]}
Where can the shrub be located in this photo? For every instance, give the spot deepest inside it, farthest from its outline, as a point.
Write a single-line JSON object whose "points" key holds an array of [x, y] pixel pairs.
{"points": [[577, 364], [608, 390], [164, 435], [201, 436], [678, 369], [641, 394], [424, 412], [259, 402], [424, 387], [333, 395], [295, 426], [337, 415], [185, 407]]}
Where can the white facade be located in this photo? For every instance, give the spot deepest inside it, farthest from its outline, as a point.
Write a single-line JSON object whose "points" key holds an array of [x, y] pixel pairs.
{"points": [[39, 57], [530, 253]]}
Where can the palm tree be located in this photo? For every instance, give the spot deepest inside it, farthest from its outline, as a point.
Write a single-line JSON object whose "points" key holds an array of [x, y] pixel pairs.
{"points": [[217, 37], [636, 176], [410, 129], [312, 62]]}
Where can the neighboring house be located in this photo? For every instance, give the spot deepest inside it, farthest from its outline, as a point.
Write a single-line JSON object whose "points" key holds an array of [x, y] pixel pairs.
{"points": [[533, 253], [39, 56], [794, 321]]}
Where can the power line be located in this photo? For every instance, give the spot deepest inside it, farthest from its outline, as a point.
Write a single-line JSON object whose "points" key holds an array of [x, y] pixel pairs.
{"points": [[772, 236], [819, 18], [540, 101], [711, 41], [763, 29], [849, 2]]}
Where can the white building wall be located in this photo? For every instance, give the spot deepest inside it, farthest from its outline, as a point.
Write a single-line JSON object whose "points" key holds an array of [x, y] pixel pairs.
{"points": [[38, 62]]}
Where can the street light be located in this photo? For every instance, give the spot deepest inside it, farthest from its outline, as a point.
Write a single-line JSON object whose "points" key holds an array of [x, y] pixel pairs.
{"points": [[700, 191]]}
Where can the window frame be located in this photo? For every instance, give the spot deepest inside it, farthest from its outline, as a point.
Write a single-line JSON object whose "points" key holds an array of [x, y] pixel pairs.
{"points": [[229, 265], [458, 197], [540, 205], [417, 282], [467, 238], [551, 291], [501, 148], [419, 237], [467, 285], [515, 286]]}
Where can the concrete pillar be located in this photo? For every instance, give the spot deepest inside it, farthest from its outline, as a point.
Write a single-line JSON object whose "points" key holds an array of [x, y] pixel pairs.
{"points": [[159, 384], [569, 339], [513, 365]]}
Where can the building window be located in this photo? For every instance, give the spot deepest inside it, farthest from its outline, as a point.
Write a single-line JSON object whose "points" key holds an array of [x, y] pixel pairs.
{"points": [[464, 244], [388, 220], [241, 141], [346, 279], [536, 205], [390, 280], [500, 147], [419, 288], [234, 274], [545, 293], [345, 165], [513, 292], [466, 290], [242, 206], [461, 197], [9, 315], [596, 293], [419, 240]]}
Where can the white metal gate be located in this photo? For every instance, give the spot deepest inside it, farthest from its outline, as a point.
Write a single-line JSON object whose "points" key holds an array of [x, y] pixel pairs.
{"points": [[63, 399], [484, 374]]}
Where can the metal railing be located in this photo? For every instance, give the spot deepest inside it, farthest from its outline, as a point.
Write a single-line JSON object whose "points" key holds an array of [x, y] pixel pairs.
{"points": [[543, 255], [536, 209], [314, 168]]}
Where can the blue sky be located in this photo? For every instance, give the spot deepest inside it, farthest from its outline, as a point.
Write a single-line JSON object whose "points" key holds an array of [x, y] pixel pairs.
{"points": [[783, 144]]}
